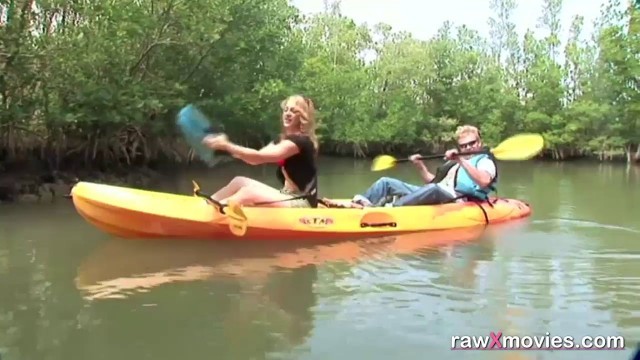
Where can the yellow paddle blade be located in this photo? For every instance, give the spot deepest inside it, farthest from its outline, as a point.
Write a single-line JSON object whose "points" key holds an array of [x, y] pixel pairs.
{"points": [[237, 218], [383, 162], [519, 147]]}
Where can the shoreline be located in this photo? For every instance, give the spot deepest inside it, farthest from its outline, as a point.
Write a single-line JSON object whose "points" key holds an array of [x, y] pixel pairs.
{"points": [[37, 184]]}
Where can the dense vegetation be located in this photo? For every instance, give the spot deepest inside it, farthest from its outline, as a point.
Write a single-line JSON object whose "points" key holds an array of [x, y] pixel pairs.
{"points": [[101, 81]]}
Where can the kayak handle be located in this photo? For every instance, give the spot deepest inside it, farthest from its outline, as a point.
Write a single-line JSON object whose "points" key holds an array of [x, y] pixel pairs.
{"points": [[375, 225]]}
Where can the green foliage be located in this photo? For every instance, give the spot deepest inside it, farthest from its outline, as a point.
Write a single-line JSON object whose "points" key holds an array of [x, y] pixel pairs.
{"points": [[103, 80]]}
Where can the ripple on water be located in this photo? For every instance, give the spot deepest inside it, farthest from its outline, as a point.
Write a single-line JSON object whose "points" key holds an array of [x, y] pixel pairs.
{"points": [[409, 287], [576, 223], [528, 283]]}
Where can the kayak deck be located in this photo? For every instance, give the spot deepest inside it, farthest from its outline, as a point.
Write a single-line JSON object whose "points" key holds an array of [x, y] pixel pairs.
{"points": [[134, 213]]}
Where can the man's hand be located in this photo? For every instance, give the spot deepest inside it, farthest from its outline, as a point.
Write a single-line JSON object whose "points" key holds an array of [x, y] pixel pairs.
{"points": [[415, 159], [422, 168], [452, 155]]}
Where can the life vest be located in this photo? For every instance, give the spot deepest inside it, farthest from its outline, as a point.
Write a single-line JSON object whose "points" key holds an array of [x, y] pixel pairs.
{"points": [[463, 183]]}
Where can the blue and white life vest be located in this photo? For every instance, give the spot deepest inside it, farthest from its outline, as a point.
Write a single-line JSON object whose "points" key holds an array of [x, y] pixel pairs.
{"points": [[465, 185]]}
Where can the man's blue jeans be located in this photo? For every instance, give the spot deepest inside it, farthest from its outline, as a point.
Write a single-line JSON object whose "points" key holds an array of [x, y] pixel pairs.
{"points": [[408, 194]]}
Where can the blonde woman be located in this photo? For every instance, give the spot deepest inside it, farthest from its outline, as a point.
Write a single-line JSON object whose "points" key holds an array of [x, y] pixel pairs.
{"points": [[295, 152]]}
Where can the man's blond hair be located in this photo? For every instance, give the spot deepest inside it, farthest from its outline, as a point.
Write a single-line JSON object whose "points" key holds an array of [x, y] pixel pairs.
{"points": [[467, 129]]}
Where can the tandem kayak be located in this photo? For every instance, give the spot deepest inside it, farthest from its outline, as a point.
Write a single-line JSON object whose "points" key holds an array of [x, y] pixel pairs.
{"points": [[135, 213]]}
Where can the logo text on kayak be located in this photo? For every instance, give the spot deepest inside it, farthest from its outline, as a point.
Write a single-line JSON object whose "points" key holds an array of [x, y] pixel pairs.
{"points": [[316, 221]]}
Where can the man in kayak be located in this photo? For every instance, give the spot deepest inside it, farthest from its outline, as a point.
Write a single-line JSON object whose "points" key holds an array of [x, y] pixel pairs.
{"points": [[295, 151], [461, 177]]}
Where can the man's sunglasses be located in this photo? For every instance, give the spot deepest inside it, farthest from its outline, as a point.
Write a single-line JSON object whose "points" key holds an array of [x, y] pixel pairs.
{"points": [[467, 145]]}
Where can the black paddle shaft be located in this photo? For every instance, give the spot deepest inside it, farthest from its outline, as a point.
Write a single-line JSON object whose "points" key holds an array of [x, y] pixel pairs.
{"points": [[428, 157]]}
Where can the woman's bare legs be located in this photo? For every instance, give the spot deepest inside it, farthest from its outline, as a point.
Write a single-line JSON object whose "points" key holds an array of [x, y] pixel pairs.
{"points": [[250, 195], [259, 192], [232, 187], [245, 191]]}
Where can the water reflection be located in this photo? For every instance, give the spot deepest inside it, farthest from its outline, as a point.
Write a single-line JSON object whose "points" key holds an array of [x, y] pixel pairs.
{"points": [[225, 319], [120, 268], [428, 295], [265, 292], [519, 282], [576, 269]]}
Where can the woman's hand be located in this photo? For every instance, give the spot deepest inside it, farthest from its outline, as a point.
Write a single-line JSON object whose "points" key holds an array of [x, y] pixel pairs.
{"points": [[216, 142]]}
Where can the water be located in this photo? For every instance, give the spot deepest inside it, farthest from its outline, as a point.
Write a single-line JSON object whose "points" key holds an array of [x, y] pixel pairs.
{"points": [[70, 292]]}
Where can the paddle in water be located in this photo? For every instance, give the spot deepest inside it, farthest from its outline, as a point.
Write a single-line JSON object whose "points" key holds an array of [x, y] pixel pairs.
{"points": [[232, 210], [515, 148]]}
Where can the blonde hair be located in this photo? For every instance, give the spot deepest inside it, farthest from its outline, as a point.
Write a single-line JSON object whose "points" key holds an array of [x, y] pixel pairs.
{"points": [[468, 129], [306, 109]]}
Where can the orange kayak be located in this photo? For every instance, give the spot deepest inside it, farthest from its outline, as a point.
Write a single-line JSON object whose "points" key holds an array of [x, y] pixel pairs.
{"points": [[135, 213]]}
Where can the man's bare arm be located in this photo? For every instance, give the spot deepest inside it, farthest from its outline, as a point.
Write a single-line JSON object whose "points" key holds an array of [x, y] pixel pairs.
{"points": [[425, 174]]}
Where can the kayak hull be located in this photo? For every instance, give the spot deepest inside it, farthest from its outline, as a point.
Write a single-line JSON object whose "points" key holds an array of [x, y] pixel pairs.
{"points": [[134, 213]]}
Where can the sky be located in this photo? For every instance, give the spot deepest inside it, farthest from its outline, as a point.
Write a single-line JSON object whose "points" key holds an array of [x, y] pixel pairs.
{"points": [[423, 17]]}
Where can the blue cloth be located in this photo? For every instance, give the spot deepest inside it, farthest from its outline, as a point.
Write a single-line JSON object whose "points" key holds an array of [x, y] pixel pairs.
{"points": [[194, 127], [429, 194], [408, 194]]}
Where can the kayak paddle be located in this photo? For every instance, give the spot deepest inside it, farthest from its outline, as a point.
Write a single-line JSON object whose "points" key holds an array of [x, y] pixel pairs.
{"points": [[195, 126], [517, 147], [237, 219], [233, 211]]}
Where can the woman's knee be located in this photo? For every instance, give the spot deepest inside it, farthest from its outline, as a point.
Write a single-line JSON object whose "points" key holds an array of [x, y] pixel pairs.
{"points": [[252, 189], [244, 195], [240, 181], [251, 194]]}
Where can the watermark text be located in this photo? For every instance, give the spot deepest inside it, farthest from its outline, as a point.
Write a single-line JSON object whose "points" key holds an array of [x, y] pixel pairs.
{"points": [[498, 341]]}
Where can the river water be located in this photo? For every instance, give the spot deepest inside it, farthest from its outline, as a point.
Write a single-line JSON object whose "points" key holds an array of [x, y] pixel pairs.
{"points": [[71, 292]]}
